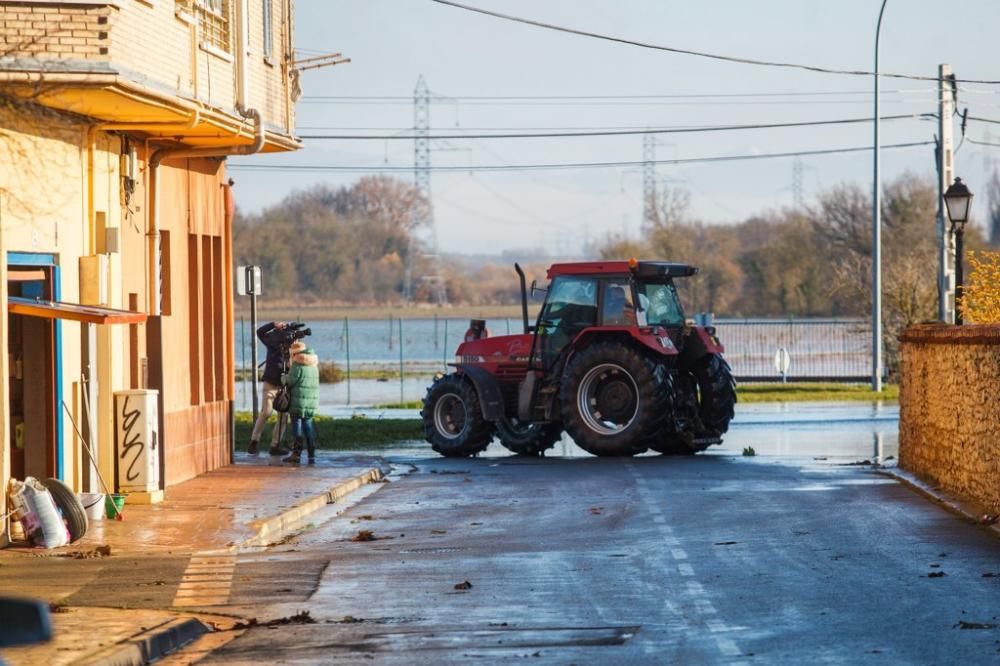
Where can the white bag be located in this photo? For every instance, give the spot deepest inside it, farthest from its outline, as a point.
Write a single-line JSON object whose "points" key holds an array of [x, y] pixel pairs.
{"points": [[34, 507]]}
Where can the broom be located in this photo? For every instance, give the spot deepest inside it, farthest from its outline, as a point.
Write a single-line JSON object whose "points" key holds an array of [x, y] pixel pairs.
{"points": [[119, 515]]}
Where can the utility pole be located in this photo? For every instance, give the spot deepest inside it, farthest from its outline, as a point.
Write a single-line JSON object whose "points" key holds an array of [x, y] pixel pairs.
{"points": [[946, 175], [648, 179]]}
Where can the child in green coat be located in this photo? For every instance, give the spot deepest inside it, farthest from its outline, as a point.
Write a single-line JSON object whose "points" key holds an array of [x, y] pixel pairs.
{"points": [[303, 387]]}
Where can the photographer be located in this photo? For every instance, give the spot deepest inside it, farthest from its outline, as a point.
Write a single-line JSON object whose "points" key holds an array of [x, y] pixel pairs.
{"points": [[275, 336]]}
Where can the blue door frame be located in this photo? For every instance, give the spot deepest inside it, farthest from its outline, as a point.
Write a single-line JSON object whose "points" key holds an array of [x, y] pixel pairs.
{"points": [[43, 260]]}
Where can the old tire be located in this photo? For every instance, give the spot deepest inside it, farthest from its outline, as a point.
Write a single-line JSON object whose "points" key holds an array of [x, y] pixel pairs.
{"points": [[69, 506], [453, 421], [613, 399], [527, 439]]}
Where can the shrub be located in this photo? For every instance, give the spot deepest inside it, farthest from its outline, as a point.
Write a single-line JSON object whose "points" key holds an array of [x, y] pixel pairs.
{"points": [[329, 373], [980, 302]]}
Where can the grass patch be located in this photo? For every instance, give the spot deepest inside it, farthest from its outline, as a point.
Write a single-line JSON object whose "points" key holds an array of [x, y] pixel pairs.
{"points": [[341, 434], [804, 392], [409, 404]]}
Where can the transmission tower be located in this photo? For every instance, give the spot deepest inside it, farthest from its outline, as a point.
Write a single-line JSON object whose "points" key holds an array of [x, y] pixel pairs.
{"points": [[423, 227], [648, 179], [797, 169]]}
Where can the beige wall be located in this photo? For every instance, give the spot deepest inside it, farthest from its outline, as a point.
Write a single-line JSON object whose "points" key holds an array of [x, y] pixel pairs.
{"points": [[44, 198], [949, 420]]}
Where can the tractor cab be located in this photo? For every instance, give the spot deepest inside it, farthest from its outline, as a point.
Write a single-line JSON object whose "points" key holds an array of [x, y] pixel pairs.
{"points": [[614, 296]]}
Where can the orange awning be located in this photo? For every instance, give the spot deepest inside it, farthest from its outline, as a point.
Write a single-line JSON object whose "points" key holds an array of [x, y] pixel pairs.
{"points": [[90, 314]]}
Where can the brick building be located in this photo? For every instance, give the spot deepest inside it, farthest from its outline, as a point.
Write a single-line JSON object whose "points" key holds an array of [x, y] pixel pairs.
{"points": [[115, 214]]}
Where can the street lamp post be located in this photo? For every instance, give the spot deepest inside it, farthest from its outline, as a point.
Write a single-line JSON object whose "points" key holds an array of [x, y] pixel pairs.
{"points": [[958, 201], [877, 236]]}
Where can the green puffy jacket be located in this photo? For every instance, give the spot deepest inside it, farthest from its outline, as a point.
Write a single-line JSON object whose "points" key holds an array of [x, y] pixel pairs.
{"points": [[303, 384]]}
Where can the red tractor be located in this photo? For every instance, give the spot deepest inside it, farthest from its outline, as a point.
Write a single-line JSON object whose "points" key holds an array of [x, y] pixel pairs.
{"points": [[611, 360]]}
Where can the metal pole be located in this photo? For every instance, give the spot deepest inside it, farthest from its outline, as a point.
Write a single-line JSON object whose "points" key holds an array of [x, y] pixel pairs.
{"points": [[877, 236], [444, 357], [243, 358], [401, 360], [390, 331], [435, 330], [959, 274], [253, 354], [347, 339]]}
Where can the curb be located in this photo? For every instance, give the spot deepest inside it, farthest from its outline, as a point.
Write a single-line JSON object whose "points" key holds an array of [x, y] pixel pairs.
{"points": [[945, 500], [151, 644], [266, 528]]}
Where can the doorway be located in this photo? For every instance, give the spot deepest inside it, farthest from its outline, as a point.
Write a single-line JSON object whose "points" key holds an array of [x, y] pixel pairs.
{"points": [[33, 361]]}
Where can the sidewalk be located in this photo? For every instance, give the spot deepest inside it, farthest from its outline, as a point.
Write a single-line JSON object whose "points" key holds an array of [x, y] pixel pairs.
{"points": [[245, 504], [237, 505]]}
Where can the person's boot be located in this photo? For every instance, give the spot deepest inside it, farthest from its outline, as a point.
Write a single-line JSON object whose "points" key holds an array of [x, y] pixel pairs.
{"points": [[253, 448], [312, 452], [278, 450], [295, 457]]}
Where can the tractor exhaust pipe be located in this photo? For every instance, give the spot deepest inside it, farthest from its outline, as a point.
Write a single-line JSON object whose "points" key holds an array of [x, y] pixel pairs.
{"points": [[524, 296]]}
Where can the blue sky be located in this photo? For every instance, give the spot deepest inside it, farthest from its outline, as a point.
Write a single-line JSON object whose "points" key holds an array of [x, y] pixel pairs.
{"points": [[463, 55]]}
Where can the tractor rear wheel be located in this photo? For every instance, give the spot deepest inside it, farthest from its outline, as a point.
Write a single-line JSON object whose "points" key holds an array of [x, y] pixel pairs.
{"points": [[528, 439], [613, 399], [453, 421]]}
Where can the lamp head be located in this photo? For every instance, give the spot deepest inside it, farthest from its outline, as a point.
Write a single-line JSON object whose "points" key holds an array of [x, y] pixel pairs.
{"points": [[958, 200]]}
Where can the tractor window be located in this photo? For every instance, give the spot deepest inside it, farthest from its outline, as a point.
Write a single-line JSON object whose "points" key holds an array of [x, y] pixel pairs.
{"points": [[570, 307], [661, 305], [618, 308]]}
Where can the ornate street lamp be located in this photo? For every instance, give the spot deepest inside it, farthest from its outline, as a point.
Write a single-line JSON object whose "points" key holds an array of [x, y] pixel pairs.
{"points": [[958, 201]]}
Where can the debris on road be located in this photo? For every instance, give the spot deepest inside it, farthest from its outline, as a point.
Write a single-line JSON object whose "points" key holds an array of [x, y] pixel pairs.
{"points": [[100, 551], [936, 574], [989, 519], [466, 585], [962, 624], [597, 510], [725, 543], [364, 535], [302, 617]]}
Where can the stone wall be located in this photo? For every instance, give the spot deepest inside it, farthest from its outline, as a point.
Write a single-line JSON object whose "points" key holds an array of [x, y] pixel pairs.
{"points": [[949, 416]]}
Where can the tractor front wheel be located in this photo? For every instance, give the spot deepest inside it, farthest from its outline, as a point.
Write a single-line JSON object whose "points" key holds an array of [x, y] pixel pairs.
{"points": [[613, 399], [528, 439], [453, 421], [704, 405]]}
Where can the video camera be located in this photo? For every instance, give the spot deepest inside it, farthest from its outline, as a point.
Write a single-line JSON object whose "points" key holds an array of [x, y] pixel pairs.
{"points": [[293, 330]]}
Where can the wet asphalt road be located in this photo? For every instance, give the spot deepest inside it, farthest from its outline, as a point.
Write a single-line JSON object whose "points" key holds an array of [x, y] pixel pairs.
{"points": [[701, 560]]}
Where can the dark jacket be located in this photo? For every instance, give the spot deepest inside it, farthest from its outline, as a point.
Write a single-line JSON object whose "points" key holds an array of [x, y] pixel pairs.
{"points": [[274, 366], [303, 383]]}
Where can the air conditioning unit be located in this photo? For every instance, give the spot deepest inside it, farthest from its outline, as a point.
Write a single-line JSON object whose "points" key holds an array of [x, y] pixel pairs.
{"points": [[138, 441]]}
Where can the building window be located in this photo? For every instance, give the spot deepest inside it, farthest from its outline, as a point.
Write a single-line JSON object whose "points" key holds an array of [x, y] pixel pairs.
{"points": [[214, 20], [268, 32]]}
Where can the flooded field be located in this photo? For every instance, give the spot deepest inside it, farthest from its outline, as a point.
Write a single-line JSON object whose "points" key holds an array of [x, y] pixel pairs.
{"points": [[816, 347]]}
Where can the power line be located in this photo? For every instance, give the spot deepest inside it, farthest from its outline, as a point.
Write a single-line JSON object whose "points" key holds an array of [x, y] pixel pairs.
{"points": [[982, 143], [459, 98], [612, 103], [700, 54], [992, 121], [551, 135], [571, 165]]}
